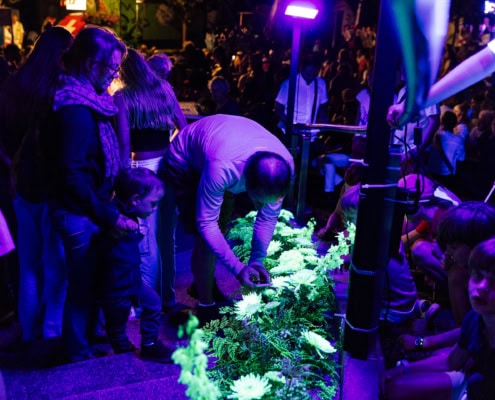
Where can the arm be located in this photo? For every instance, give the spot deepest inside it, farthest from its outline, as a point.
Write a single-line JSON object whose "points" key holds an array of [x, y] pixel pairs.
{"points": [[280, 112], [210, 199], [467, 73], [429, 131], [436, 363], [322, 111], [433, 342], [264, 227], [322, 115], [209, 202], [77, 129], [281, 101], [180, 118], [457, 358], [122, 130]]}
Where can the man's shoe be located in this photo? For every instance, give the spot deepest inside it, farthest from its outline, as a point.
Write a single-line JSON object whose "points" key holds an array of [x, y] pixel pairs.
{"points": [[207, 314], [121, 348], [178, 315], [156, 351], [218, 296]]}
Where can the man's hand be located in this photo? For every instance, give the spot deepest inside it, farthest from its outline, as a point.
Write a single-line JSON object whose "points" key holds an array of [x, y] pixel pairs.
{"points": [[254, 275], [397, 116]]}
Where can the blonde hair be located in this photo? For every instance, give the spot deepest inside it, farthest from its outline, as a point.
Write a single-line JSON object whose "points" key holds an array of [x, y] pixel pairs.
{"points": [[149, 100]]}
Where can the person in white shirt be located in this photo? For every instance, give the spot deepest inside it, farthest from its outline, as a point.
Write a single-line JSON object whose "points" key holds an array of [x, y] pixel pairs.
{"points": [[311, 100], [18, 30]]}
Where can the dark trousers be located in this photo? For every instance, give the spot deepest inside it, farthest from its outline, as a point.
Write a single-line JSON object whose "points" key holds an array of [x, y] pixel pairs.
{"points": [[116, 312]]}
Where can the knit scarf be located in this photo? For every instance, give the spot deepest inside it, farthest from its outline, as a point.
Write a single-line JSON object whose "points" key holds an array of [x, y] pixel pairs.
{"points": [[78, 91]]}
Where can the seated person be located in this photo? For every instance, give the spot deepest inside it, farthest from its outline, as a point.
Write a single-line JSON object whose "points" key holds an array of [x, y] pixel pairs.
{"points": [[335, 222], [399, 301], [467, 370], [221, 102], [446, 150], [461, 228], [420, 228]]}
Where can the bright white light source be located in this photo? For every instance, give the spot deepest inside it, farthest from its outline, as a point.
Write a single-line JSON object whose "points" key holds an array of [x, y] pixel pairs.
{"points": [[308, 12]]}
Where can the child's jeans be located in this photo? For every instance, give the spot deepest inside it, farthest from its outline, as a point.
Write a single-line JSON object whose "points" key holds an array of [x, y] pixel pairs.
{"points": [[116, 311]]}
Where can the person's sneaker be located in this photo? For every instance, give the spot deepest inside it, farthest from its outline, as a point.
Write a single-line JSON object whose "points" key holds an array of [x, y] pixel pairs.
{"points": [[121, 348], [218, 295], [179, 315], [156, 351]]}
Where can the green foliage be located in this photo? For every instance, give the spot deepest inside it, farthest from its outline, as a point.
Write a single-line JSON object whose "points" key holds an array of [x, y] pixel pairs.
{"points": [[275, 343]]}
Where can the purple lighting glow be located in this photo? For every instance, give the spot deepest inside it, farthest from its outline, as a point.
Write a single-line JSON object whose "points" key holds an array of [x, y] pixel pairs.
{"points": [[301, 10]]}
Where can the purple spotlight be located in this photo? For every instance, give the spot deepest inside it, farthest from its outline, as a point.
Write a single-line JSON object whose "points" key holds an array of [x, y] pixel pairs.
{"points": [[301, 10]]}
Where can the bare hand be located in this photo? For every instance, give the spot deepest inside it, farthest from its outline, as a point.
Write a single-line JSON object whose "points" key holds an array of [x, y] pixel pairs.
{"points": [[254, 275], [123, 226], [395, 111], [397, 116]]}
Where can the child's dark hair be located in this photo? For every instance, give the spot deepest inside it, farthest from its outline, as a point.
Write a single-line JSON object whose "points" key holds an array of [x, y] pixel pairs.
{"points": [[267, 174], [449, 121], [470, 223], [132, 181], [482, 257]]}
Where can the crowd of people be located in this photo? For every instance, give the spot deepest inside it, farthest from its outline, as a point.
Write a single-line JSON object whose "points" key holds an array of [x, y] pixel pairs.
{"points": [[99, 164]]}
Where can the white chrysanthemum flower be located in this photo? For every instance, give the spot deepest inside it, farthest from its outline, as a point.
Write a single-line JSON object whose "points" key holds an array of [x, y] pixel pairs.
{"points": [[290, 261], [279, 282], [287, 231], [319, 342], [303, 241], [248, 306], [273, 247], [249, 387], [275, 376], [303, 277]]}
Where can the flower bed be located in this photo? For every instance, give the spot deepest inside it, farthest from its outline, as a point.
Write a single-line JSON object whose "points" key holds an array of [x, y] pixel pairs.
{"points": [[277, 342]]}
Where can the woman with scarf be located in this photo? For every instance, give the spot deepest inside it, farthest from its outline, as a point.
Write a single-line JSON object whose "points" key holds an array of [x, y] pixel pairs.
{"points": [[86, 160]]}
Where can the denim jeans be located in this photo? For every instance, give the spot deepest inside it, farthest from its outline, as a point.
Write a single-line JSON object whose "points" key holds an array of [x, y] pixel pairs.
{"points": [[116, 312], [333, 161], [80, 313], [158, 256], [42, 271]]}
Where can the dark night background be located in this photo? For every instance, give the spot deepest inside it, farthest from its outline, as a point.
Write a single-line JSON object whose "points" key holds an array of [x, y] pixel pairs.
{"points": [[34, 11]]}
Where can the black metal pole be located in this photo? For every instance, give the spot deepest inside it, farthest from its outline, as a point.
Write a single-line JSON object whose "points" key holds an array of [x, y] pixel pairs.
{"points": [[374, 222], [291, 137]]}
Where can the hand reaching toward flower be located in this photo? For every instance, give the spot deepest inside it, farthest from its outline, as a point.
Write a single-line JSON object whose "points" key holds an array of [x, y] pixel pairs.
{"points": [[254, 275]]}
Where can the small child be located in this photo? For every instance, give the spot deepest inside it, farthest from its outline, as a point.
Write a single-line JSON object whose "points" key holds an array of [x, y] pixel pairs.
{"points": [[467, 371], [477, 341], [137, 194]]}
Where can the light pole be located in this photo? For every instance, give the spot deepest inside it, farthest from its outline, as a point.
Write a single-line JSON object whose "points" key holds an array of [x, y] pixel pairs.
{"points": [[299, 12]]}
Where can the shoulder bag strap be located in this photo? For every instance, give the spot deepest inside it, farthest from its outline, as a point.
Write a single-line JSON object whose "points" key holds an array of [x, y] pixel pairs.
{"points": [[313, 111]]}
